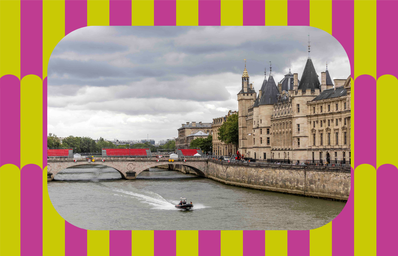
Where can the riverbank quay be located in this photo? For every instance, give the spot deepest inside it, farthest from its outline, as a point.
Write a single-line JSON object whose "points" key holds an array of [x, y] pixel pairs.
{"points": [[313, 181]]}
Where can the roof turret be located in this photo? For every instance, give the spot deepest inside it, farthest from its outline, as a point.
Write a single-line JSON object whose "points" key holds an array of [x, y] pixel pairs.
{"points": [[270, 92], [309, 79]]}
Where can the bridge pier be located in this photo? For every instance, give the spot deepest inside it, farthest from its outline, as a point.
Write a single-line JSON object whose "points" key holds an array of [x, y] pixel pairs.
{"points": [[130, 175]]}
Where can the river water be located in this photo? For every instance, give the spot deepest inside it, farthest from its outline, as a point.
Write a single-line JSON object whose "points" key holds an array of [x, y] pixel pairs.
{"points": [[98, 199]]}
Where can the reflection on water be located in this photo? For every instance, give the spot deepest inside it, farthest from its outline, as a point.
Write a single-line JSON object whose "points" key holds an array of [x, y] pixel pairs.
{"points": [[148, 203]]}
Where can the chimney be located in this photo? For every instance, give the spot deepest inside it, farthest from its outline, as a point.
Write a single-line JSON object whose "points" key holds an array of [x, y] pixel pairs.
{"points": [[251, 85], [193, 124], [187, 123], [260, 94], [295, 81], [200, 122], [280, 87], [323, 81]]}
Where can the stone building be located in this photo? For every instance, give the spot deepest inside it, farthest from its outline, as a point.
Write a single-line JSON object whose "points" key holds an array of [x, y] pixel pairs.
{"points": [[220, 148], [297, 120], [184, 139]]}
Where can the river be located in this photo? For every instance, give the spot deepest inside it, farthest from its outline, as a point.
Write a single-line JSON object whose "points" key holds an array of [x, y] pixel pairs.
{"points": [[99, 199]]}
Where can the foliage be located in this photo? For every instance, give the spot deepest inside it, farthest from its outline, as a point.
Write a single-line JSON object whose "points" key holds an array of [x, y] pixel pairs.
{"points": [[204, 144], [229, 130], [171, 144], [53, 141]]}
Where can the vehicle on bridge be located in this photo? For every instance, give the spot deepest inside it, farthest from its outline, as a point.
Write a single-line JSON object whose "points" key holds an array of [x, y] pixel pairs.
{"points": [[183, 205]]}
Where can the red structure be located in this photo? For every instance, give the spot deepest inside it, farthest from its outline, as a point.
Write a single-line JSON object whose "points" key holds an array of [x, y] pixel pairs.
{"points": [[58, 152], [126, 152], [189, 152]]}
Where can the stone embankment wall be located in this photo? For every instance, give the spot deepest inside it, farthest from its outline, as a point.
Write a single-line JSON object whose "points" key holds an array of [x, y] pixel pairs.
{"points": [[322, 182]]}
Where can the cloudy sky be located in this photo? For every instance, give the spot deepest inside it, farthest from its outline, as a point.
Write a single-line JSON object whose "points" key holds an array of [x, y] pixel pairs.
{"points": [[133, 82]]}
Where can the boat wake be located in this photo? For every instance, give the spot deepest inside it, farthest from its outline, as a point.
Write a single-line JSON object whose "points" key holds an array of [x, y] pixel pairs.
{"points": [[155, 200]]}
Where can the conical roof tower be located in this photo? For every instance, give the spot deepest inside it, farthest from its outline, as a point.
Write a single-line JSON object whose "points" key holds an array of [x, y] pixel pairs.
{"points": [[269, 92], [309, 79]]}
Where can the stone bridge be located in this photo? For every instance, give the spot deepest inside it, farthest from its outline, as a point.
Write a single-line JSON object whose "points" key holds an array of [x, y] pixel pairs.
{"points": [[129, 168]]}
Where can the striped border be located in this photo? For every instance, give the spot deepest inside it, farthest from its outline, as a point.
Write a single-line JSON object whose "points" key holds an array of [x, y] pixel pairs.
{"points": [[29, 31]]}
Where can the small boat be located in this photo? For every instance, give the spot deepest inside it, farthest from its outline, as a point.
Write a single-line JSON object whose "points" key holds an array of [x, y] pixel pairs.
{"points": [[183, 205]]}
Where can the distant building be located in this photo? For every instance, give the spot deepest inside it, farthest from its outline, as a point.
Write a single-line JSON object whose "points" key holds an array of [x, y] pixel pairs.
{"points": [[220, 148], [183, 140]]}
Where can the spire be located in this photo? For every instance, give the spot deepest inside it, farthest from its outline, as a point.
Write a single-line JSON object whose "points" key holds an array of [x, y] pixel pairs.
{"points": [[265, 72], [309, 46], [309, 79], [245, 74], [326, 66], [290, 70], [270, 68]]}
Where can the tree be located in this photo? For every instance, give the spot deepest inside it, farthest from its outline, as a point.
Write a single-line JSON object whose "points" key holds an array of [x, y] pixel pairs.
{"points": [[229, 130], [72, 142], [53, 141], [171, 144], [204, 144]]}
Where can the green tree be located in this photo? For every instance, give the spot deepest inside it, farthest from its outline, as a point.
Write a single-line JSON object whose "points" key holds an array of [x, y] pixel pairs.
{"points": [[53, 141], [204, 144], [229, 130], [171, 144], [72, 142]]}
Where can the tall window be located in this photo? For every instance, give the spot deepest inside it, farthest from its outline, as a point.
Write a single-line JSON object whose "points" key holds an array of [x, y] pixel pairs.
{"points": [[261, 121], [298, 108], [321, 109], [261, 140], [254, 141], [345, 105], [268, 140], [314, 124], [321, 139], [337, 107], [328, 138], [314, 139], [298, 142], [335, 157], [265, 155], [328, 108], [298, 128], [337, 122], [329, 122], [261, 131], [314, 109], [345, 121], [321, 123], [267, 130], [337, 138], [345, 138]]}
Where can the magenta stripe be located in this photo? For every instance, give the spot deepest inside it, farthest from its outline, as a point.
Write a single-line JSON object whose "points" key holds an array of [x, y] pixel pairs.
{"points": [[298, 12], [209, 243], [165, 243], [343, 227], [298, 243], [253, 12], [387, 210], [253, 243], [343, 27], [120, 12], [75, 15], [31, 38], [10, 120], [365, 120], [75, 240], [45, 122], [209, 12], [165, 12], [31, 210], [387, 38], [120, 243]]}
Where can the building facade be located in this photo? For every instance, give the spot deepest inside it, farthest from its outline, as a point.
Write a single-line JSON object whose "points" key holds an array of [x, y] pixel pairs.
{"points": [[220, 148], [297, 120], [184, 139]]}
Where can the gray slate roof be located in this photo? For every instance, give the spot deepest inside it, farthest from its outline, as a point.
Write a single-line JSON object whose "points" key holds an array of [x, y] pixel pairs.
{"points": [[328, 79], [309, 79], [287, 82], [331, 93], [270, 92], [202, 125]]}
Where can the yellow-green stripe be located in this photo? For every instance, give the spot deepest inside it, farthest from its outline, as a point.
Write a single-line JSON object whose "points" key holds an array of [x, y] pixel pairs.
{"points": [[97, 12], [187, 239], [321, 14], [187, 12], [10, 37], [276, 12], [53, 28], [31, 120], [365, 37], [231, 243], [142, 242], [276, 242], [231, 12], [385, 124], [10, 210], [321, 241], [53, 225], [142, 13], [365, 210], [97, 243]]}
